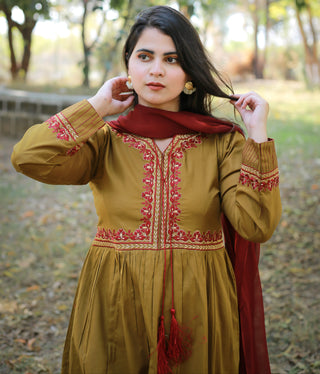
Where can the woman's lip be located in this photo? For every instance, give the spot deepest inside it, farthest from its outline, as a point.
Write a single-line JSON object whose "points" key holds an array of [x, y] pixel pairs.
{"points": [[155, 85]]}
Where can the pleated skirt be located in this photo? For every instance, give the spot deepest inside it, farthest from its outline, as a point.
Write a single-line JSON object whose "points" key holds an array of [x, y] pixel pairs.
{"points": [[115, 317]]}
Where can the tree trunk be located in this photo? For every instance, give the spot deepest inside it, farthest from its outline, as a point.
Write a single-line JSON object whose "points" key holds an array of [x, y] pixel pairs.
{"points": [[14, 69], [267, 29], [316, 60], [19, 70], [257, 66], [26, 31], [86, 68], [88, 48], [312, 68], [113, 49], [86, 51]]}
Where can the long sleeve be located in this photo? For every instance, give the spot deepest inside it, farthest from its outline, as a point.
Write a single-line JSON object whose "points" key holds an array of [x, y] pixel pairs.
{"points": [[252, 201], [64, 149]]}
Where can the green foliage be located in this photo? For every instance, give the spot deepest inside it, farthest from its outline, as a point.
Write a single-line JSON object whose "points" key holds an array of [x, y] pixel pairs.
{"points": [[32, 9], [278, 10], [188, 5], [300, 4], [117, 4]]}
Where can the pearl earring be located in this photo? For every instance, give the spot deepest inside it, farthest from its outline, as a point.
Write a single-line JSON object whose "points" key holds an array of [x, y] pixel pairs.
{"points": [[188, 88], [129, 83]]}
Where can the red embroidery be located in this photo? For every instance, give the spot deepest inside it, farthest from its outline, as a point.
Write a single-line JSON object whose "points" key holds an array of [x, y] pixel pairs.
{"points": [[174, 231], [62, 127], [149, 218], [195, 237], [143, 232], [74, 150], [55, 125], [262, 185]]}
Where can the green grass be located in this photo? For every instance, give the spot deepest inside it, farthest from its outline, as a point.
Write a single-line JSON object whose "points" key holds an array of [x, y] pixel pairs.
{"points": [[294, 119]]}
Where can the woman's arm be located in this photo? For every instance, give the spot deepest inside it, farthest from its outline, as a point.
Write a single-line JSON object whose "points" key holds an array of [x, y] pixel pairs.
{"points": [[249, 186], [249, 175], [67, 147]]}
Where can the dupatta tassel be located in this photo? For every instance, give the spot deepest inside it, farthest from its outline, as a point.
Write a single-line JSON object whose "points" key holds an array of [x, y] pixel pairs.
{"points": [[163, 362], [180, 342]]}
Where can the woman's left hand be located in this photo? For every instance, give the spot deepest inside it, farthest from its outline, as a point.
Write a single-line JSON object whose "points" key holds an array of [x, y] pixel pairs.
{"points": [[254, 112]]}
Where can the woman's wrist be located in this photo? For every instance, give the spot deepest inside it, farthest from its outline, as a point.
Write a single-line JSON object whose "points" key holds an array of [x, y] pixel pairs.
{"points": [[98, 105], [259, 136]]}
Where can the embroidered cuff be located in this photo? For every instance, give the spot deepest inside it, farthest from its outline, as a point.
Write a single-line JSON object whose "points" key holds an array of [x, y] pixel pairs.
{"points": [[259, 167], [76, 123]]}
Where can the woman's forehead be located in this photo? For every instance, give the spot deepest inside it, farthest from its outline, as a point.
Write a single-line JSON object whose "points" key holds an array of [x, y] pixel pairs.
{"points": [[155, 40]]}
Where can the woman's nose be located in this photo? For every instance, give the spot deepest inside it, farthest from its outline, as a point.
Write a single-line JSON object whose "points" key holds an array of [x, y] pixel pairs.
{"points": [[157, 68]]}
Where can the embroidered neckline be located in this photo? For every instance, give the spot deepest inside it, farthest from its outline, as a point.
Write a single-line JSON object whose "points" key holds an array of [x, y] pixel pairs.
{"points": [[161, 185]]}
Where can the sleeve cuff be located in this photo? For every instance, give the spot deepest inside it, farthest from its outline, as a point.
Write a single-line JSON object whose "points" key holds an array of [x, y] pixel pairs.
{"points": [[259, 167], [260, 156], [76, 123]]}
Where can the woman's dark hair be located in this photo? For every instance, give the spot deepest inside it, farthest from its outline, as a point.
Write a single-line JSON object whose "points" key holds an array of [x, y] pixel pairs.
{"points": [[191, 53]]}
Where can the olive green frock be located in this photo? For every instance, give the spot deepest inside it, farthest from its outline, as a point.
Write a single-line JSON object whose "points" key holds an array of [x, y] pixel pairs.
{"points": [[148, 204]]}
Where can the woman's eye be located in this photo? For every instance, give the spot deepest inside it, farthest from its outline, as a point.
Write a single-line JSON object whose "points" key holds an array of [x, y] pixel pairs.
{"points": [[144, 57], [172, 59]]}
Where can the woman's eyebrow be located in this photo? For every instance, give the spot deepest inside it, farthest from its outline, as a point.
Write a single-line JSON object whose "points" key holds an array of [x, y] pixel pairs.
{"points": [[152, 52], [170, 53], [145, 50]]}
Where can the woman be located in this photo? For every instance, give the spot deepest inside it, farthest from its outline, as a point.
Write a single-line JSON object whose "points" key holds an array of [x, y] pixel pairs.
{"points": [[158, 291]]}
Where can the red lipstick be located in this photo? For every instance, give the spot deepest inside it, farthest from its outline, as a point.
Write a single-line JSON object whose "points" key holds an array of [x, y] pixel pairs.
{"points": [[155, 86]]}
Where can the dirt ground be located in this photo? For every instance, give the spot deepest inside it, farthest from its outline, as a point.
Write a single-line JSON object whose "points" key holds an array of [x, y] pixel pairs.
{"points": [[46, 230]]}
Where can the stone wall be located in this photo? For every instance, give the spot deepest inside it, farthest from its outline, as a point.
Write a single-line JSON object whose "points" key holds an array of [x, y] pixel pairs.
{"points": [[21, 109]]}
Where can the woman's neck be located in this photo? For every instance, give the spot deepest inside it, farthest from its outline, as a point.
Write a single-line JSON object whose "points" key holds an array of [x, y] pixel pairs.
{"points": [[163, 144]]}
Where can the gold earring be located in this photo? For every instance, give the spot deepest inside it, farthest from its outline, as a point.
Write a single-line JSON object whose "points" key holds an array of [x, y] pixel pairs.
{"points": [[129, 83], [188, 88]]}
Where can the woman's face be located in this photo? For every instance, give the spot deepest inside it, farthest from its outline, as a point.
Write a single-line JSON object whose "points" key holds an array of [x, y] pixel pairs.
{"points": [[156, 74]]}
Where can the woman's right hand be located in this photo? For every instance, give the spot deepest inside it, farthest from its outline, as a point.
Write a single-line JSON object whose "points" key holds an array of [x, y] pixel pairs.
{"points": [[110, 98]]}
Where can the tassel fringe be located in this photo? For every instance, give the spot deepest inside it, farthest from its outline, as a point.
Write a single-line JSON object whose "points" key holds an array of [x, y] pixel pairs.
{"points": [[179, 346], [180, 342], [163, 363]]}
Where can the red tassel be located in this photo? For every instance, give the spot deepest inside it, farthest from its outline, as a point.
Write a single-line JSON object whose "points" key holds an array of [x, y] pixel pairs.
{"points": [[163, 363], [180, 342]]}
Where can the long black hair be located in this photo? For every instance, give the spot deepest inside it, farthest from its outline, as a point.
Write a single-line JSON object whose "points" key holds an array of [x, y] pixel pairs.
{"points": [[192, 56]]}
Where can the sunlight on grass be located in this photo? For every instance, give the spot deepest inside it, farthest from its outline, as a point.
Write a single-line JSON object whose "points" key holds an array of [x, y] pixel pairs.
{"points": [[294, 115]]}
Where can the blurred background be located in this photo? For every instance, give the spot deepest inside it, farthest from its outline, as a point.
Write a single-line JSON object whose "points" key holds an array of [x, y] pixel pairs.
{"points": [[78, 42], [54, 53]]}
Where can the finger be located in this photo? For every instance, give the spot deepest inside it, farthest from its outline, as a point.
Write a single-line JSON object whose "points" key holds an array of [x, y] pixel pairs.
{"points": [[238, 99], [248, 102], [234, 98], [125, 93], [127, 102], [122, 96], [120, 88]]}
